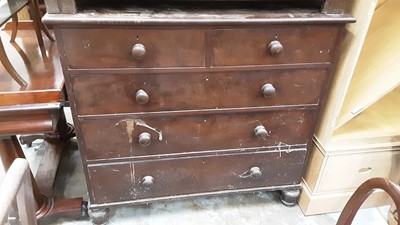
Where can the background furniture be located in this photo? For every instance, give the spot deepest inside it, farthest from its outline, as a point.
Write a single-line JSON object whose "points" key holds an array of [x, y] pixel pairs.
{"points": [[190, 99], [36, 108], [9, 11], [363, 192], [17, 186], [358, 136]]}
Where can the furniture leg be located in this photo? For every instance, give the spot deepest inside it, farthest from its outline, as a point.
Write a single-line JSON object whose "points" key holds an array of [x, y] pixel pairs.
{"points": [[55, 143], [14, 31], [47, 32], [42, 25], [36, 23], [289, 196], [8, 66], [29, 139], [99, 216]]}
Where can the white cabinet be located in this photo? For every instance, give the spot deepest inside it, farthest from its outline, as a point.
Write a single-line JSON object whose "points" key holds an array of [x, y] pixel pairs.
{"points": [[358, 136]]}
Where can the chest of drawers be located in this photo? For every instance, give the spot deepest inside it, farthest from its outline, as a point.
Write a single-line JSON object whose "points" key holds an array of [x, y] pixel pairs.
{"points": [[185, 104]]}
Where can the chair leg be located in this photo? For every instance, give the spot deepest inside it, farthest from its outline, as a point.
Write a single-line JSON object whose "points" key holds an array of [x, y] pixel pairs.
{"points": [[362, 193], [46, 31], [42, 25], [36, 22], [14, 31], [8, 66]]}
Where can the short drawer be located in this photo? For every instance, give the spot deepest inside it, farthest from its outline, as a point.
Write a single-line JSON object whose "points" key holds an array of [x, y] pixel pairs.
{"points": [[124, 136], [151, 179], [347, 172], [273, 45], [107, 94], [136, 48]]}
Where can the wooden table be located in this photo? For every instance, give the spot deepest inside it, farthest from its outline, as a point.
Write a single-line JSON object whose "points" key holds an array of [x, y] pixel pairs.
{"points": [[36, 108]]}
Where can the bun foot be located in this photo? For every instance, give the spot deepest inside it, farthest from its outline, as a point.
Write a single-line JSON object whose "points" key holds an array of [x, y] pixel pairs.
{"points": [[289, 196], [99, 216]]}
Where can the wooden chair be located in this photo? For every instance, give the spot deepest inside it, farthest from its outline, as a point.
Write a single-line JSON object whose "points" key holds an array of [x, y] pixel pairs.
{"points": [[362, 193], [9, 11], [17, 186]]}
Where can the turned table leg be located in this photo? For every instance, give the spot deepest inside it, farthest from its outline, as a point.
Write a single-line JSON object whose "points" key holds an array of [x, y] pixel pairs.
{"points": [[55, 144]]}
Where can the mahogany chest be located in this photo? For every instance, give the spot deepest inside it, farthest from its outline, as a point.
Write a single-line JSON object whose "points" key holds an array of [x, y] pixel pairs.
{"points": [[176, 103]]}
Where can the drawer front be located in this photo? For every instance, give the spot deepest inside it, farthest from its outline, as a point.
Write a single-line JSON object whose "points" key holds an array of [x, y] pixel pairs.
{"points": [[193, 175], [297, 44], [116, 138], [347, 172], [97, 94], [121, 48]]}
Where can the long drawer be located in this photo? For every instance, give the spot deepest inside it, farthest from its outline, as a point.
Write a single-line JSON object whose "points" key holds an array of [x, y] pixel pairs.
{"points": [[139, 48], [158, 135], [273, 45], [150, 179], [347, 172], [107, 94]]}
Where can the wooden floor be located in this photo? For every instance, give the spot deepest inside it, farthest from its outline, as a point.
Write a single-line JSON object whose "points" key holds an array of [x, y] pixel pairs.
{"points": [[42, 72]]}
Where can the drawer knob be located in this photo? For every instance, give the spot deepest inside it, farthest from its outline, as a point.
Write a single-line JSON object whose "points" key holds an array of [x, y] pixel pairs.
{"points": [[255, 173], [268, 90], [145, 139], [138, 51], [261, 132], [147, 182], [142, 97], [275, 48]]}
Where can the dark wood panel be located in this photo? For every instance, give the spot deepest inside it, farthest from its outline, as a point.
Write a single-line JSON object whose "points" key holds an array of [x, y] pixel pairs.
{"points": [[301, 44], [107, 94], [116, 138], [112, 48], [193, 175], [26, 124]]}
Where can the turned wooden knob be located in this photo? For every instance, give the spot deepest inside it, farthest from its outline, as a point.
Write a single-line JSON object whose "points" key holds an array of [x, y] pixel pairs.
{"points": [[275, 48], [268, 90], [260, 131], [142, 97], [145, 139], [255, 173], [138, 51], [147, 182]]}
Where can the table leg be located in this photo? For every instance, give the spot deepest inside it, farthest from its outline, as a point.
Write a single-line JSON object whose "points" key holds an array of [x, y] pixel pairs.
{"points": [[8, 66], [55, 144]]}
